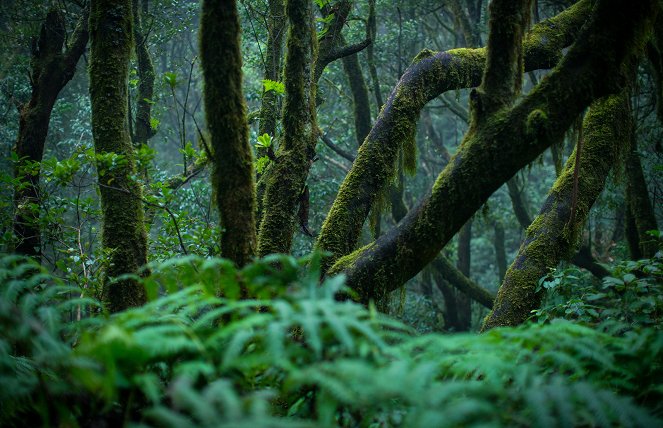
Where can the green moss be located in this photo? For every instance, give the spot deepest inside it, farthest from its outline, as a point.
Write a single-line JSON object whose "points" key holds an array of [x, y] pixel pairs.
{"points": [[552, 236], [124, 238], [286, 178], [537, 122], [225, 108]]}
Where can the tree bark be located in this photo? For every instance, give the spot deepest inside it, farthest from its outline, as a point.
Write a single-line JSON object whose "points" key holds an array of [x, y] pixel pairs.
{"points": [[269, 105], [51, 70], [143, 129], [225, 109], [499, 147], [123, 235], [361, 106], [462, 283], [287, 176], [639, 204], [464, 264], [430, 75], [554, 234]]}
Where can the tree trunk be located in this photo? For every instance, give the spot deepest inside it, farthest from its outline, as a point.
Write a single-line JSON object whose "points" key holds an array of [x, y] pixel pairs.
{"points": [[554, 234], [143, 130], [225, 110], [491, 153], [286, 179], [361, 106], [464, 262], [639, 204], [123, 235], [430, 75], [500, 252], [51, 70], [269, 105]]}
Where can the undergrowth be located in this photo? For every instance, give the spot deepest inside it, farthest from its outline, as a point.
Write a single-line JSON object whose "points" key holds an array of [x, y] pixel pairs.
{"points": [[295, 356]]}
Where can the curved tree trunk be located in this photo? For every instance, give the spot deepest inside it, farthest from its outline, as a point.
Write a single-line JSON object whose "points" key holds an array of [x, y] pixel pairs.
{"points": [[51, 70], [123, 234], [554, 234], [225, 110], [430, 75], [499, 146]]}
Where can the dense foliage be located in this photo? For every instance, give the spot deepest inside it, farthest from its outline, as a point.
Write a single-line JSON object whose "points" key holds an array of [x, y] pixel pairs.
{"points": [[359, 111], [296, 356]]}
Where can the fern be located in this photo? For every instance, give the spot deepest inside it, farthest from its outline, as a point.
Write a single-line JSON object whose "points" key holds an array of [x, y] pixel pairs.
{"points": [[295, 356]]}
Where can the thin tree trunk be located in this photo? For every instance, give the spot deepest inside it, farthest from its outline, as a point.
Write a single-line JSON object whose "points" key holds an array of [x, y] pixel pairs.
{"points": [[500, 253], [639, 204], [225, 110], [464, 264], [51, 70]]}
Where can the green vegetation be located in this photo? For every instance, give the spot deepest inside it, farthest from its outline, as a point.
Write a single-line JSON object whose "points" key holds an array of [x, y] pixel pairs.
{"points": [[331, 213], [294, 356]]}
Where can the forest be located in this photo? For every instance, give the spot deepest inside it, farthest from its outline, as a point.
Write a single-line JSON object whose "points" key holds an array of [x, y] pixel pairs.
{"points": [[331, 213]]}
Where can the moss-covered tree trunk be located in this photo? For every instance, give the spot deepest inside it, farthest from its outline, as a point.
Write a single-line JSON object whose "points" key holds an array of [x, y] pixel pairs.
{"points": [[269, 107], [431, 74], [53, 65], [286, 178], [225, 109], [269, 113], [502, 142], [555, 232], [123, 235]]}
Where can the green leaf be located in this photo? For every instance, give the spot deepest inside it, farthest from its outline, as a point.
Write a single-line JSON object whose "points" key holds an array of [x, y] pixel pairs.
{"points": [[170, 79], [271, 85], [264, 141]]}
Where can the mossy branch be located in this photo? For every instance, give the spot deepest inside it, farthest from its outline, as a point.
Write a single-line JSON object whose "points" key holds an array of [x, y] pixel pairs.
{"points": [[431, 74], [599, 63], [555, 232]]}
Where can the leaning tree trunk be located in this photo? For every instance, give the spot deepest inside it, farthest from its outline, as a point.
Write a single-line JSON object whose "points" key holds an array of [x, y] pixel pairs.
{"points": [[123, 235], [52, 69], [225, 110], [501, 143], [430, 75], [286, 179], [555, 232]]}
